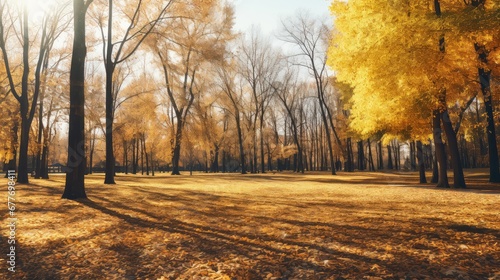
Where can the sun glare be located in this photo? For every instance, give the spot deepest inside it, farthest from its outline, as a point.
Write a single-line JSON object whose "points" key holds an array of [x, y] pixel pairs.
{"points": [[37, 8]]}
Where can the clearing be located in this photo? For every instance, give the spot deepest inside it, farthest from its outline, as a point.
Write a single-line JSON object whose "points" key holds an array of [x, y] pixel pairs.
{"points": [[265, 226]]}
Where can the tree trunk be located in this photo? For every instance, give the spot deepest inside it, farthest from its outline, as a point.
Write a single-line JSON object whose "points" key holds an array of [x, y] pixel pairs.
{"points": [[240, 141], [421, 165], [413, 163], [176, 155], [141, 146], [125, 156], [216, 159], [75, 185], [110, 69], [458, 173], [254, 168], [370, 155], [44, 164], [223, 161], [134, 156], [38, 164], [145, 153], [389, 157], [23, 150], [327, 133], [269, 158], [485, 80], [350, 156], [152, 164], [380, 164], [361, 156], [440, 151], [262, 152], [91, 159], [110, 158]]}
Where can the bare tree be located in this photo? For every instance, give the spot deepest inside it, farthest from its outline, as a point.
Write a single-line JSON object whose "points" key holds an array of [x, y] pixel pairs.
{"points": [[310, 36], [258, 66], [228, 85], [288, 91]]}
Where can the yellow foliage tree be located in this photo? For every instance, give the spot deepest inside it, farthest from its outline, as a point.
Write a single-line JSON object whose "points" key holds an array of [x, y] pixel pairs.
{"points": [[414, 61]]}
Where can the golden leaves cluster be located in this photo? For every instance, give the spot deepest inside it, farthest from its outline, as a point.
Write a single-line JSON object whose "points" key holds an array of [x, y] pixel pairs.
{"points": [[388, 51]]}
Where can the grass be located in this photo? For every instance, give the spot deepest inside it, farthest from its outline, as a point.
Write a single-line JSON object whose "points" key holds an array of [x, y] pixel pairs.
{"points": [[264, 226]]}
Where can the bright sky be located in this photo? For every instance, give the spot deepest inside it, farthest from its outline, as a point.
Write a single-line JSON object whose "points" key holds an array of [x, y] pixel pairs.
{"points": [[268, 13]]}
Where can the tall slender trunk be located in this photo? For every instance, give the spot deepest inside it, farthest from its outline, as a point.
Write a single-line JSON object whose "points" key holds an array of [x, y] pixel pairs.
{"points": [[254, 151], [23, 149], [327, 133], [110, 158], [361, 156], [24, 107], [145, 154], [380, 164], [389, 157], [413, 163], [110, 69], [215, 162], [421, 165], [440, 151], [240, 141], [262, 151], [176, 155], [141, 146], [152, 164], [38, 164], [370, 155], [485, 81], [134, 157], [75, 185], [223, 161], [458, 173], [44, 170], [125, 156], [350, 156]]}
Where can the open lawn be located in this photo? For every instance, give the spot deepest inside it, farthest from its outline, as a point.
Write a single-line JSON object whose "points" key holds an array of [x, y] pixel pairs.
{"points": [[265, 226]]}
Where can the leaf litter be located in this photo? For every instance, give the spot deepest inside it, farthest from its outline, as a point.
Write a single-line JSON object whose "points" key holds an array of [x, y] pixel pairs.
{"points": [[267, 226]]}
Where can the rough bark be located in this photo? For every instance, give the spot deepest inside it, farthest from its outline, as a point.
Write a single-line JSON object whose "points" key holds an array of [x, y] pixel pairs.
{"points": [[440, 151], [485, 81], [75, 185], [421, 165], [458, 173]]}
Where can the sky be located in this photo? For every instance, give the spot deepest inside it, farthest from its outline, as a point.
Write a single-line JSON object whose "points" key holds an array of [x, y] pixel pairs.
{"points": [[268, 13]]}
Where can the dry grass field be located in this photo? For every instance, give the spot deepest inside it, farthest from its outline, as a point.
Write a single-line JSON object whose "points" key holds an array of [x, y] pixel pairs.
{"points": [[264, 226]]}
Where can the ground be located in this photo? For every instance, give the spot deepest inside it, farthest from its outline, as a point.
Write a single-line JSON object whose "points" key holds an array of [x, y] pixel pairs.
{"points": [[264, 226]]}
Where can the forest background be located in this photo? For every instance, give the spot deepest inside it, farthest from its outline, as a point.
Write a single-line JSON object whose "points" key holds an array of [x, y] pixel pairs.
{"points": [[171, 86]]}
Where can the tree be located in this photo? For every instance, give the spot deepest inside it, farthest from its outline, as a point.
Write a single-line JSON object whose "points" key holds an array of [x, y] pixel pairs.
{"points": [[227, 82], [258, 65], [75, 181], [289, 93], [9, 33], [50, 83], [141, 19], [201, 37], [311, 37], [415, 93]]}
